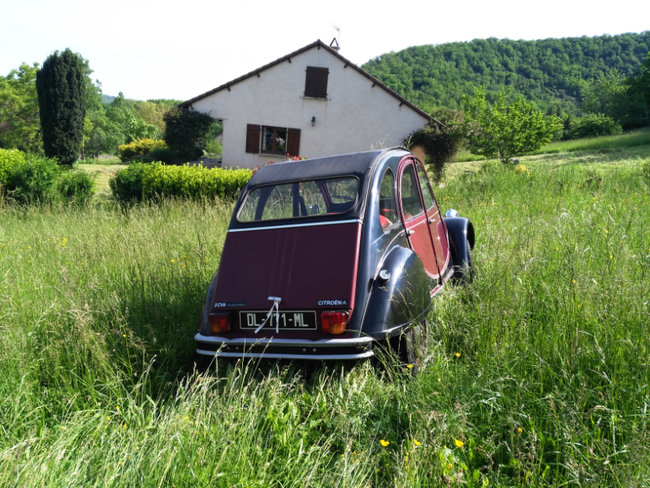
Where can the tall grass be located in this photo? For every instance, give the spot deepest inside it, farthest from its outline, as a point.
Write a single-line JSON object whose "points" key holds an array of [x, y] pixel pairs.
{"points": [[536, 373], [640, 137]]}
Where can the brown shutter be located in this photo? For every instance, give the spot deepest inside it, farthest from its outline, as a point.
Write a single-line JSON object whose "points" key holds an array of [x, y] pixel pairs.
{"points": [[253, 138], [316, 82], [293, 142]]}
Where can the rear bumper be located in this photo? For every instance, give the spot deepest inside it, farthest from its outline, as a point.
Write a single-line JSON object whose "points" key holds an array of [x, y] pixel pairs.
{"points": [[274, 348]]}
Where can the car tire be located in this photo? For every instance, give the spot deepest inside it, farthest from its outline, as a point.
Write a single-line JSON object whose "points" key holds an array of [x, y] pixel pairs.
{"points": [[409, 347], [463, 269]]}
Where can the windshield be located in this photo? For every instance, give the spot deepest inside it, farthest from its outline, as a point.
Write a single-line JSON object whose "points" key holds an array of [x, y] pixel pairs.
{"points": [[300, 199]]}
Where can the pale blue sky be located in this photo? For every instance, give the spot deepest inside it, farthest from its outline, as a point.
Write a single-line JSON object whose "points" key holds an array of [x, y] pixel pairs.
{"points": [[182, 48]]}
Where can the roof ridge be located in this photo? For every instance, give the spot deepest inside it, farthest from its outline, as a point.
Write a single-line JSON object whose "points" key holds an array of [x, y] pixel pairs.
{"points": [[319, 44]]}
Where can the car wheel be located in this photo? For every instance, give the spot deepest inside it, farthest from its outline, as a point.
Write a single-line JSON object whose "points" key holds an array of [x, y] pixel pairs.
{"points": [[409, 347], [463, 268], [468, 269]]}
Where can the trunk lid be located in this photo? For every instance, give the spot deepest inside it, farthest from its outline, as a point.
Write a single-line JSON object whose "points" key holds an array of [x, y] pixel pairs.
{"points": [[308, 266]]}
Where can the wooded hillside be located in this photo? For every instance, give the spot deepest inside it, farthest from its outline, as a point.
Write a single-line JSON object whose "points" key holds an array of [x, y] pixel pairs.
{"points": [[552, 72]]}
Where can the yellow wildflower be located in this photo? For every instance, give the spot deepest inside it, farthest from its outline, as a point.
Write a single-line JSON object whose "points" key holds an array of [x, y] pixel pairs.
{"points": [[384, 443], [459, 443]]}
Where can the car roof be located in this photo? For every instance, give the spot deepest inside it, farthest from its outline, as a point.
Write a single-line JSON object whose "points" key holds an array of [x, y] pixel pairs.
{"points": [[356, 164], [360, 165]]}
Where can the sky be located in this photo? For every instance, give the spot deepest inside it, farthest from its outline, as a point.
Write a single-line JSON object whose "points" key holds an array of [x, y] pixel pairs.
{"points": [[178, 49]]}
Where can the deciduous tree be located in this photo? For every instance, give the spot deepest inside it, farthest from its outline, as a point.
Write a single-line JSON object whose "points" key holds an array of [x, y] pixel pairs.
{"points": [[19, 120], [506, 128]]}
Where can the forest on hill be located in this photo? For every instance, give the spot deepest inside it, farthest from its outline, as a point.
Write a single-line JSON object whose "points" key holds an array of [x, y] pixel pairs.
{"points": [[554, 73]]}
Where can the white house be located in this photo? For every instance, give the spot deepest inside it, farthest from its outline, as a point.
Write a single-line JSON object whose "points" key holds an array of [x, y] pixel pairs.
{"points": [[312, 102]]}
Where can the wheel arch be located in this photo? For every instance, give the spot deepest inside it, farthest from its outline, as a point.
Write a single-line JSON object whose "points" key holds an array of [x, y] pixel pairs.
{"points": [[399, 294]]}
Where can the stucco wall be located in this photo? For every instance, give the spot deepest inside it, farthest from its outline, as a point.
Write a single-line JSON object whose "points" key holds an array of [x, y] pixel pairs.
{"points": [[356, 116]]}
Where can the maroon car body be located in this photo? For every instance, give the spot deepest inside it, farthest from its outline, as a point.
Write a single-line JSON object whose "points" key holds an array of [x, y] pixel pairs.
{"points": [[325, 258]]}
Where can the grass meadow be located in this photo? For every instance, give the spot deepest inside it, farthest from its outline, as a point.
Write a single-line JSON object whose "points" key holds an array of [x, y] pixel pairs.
{"points": [[536, 373]]}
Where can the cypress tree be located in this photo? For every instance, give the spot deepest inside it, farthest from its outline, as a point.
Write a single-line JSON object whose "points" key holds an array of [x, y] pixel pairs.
{"points": [[60, 87]]}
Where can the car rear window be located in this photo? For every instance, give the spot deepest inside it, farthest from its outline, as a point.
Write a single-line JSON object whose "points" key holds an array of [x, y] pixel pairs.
{"points": [[300, 199]]}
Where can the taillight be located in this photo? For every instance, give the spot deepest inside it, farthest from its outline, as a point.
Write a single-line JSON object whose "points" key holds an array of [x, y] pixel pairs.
{"points": [[218, 322], [334, 322]]}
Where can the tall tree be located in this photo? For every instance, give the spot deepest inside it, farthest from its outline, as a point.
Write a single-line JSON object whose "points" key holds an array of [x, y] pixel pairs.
{"points": [[638, 88], [19, 121], [60, 85]]}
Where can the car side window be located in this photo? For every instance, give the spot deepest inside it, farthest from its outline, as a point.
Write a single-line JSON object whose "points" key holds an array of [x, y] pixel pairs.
{"points": [[387, 203], [427, 194], [411, 203]]}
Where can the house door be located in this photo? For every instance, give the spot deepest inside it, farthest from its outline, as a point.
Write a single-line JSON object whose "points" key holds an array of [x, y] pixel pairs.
{"points": [[414, 217]]}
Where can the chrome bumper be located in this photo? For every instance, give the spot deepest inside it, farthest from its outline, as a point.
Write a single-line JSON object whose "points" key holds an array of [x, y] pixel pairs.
{"points": [[274, 348]]}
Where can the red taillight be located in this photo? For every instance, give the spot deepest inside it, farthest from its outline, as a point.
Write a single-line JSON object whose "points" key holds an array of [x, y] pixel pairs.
{"points": [[334, 322], [218, 322]]}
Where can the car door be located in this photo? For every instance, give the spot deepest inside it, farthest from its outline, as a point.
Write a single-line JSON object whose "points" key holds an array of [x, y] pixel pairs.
{"points": [[436, 223], [414, 217]]}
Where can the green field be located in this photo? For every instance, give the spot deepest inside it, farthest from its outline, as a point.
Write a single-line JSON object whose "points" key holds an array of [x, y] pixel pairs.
{"points": [[536, 373]]}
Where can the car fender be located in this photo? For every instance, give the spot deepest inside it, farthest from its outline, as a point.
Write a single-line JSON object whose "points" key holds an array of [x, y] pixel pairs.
{"points": [[399, 294], [461, 231]]}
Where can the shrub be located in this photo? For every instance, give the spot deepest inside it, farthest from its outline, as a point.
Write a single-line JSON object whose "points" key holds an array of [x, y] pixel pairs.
{"points": [[187, 133], [28, 178], [9, 158], [440, 143], [593, 125], [126, 185], [140, 149], [154, 181], [75, 187], [162, 154], [33, 181]]}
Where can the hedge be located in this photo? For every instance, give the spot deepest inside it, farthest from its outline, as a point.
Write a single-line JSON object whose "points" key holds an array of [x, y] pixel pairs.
{"points": [[140, 149], [154, 181], [31, 179]]}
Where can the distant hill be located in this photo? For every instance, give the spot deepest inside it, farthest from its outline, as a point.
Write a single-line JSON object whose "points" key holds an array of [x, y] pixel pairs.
{"points": [[551, 72]]}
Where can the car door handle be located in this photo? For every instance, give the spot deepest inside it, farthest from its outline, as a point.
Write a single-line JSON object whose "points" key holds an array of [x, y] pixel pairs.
{"points": [[410, 232]]}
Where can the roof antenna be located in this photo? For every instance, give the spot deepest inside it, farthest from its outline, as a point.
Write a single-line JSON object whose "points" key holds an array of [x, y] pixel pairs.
{"points": [[335, 44]]}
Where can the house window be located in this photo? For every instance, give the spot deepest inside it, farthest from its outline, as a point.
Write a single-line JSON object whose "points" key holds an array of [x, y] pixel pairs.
{"points": [[274, 140], [316, 82], [263, 139]]}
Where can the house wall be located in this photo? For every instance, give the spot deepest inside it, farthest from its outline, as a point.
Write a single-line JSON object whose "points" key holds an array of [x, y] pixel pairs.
{"points": [[356, 116]]}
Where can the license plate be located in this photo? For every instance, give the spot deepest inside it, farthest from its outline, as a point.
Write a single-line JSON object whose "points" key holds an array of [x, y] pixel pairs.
{"points": [[285, 320]]}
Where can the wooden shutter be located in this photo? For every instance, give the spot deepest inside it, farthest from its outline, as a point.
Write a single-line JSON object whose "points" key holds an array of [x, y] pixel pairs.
{"points": [[253, 138], [293, 142], [316, 82]]}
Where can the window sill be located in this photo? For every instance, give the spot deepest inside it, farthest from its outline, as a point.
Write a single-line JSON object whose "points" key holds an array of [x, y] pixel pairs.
{"points": [[322, 99], [272, 155]]}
